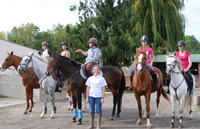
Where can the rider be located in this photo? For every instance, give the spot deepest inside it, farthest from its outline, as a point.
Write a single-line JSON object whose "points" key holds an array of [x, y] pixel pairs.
{"points": [[186, 62], [149, 63], [93, 54], [45, 53], [66, 53]]}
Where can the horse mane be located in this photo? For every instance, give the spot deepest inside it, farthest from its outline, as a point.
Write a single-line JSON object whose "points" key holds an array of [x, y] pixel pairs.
{"points": [[41, 59], [65, 59]]}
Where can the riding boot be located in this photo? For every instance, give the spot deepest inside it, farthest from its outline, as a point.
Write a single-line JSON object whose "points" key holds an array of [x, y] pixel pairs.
{"points": [[190, 86], [155, 80], [99, 117], [91, 121], [57, 88]]}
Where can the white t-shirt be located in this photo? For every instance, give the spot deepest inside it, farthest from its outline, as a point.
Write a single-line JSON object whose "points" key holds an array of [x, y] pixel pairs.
{"points": [[96, 83], [45, 54]]}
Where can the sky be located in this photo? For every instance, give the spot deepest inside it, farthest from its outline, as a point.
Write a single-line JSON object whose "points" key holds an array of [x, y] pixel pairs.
{"points": [[46, 13]]}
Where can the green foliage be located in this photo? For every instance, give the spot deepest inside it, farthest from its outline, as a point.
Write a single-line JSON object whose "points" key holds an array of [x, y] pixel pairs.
{"points": [[118, 26], [192, 44], [2, 35]]}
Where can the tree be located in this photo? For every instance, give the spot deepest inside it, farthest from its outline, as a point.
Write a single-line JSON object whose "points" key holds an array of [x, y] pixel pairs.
{"points": [[2, 35], [192, 44], [161, 21]]}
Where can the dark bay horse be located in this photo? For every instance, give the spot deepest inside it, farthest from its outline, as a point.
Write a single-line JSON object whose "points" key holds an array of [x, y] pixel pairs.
{"points": [[30, 81], [71, 70], [143, 85]]}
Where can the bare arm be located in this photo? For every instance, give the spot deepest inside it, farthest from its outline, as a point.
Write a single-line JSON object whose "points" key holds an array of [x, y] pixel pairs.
{"points": [[189, 64], [103, 94], [68, 54], [87, 93], [80, 50], [152, 59]]}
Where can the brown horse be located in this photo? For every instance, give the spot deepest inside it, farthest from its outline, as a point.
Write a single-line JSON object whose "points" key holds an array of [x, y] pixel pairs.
{"points": [[143, 85], [71, 70], [30, 81]]}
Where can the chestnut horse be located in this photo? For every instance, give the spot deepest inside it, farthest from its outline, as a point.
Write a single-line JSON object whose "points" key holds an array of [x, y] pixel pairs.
{"points": [[30, 81], [114, 77], [143, 85]]}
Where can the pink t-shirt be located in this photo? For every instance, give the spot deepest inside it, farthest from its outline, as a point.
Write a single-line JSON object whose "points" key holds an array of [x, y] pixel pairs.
{"points": [[149, 51], [183, 59]]}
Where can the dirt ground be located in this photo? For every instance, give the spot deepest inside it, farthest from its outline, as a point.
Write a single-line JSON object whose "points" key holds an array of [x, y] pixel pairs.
{"points": [[12, 116]]}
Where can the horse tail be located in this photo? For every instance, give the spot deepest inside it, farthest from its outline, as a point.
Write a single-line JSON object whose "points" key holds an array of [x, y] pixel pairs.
{"points": [[165, 95], [121, 87]]}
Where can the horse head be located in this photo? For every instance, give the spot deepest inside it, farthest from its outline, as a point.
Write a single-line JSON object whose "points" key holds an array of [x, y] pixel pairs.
{"points": [[171, 62], [53, 63], [140, 60], [7, 62], [25, 63]]}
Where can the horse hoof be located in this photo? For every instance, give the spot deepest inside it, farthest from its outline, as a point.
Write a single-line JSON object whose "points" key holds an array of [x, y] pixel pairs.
{"points": [[73, 120], [52, 117], [30, 110], [191, 118], [172, 125], [180, 126], [71, 109], [157, 117], [111, 118], [79, 123], [138, 122], [148, 126], [117, 116], [25, 113], [68, 109], [40, 117]]}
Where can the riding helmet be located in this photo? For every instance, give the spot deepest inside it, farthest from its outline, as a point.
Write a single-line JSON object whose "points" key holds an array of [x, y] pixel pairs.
{"points": [[181, 43], [63, 43], [44, 43], [93, 40], [144, 38]]}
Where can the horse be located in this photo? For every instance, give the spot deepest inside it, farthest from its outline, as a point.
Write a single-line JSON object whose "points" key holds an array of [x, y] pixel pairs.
{"points": [[142, 85], [114, 77], [47, 83], [30, 81], [178, 88]]}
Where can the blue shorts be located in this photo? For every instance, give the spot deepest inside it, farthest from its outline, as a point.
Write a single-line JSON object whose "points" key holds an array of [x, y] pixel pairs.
{"points": [[93, 101]]}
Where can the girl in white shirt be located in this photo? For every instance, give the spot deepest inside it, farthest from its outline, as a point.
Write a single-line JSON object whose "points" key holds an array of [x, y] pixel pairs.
{"points": [[95, 94]]}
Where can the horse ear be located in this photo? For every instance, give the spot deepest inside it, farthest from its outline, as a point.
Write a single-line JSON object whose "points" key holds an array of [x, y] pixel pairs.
{"points": [[167, 53], [30, 53], [50, 53], [174, 53], [11, 53]]}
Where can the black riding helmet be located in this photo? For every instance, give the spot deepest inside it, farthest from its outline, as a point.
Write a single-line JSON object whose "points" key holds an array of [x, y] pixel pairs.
{"points": [[63, 43], [181, 43], [144, 38]]}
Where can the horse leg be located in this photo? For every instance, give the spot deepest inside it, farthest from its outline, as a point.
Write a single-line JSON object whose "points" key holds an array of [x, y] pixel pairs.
{"points": [[45, 95], [119, 103], [173, 101], [31, 98], [114, 105], [139, 121], [52, 94], [84, 102], [80, 112], [74, 110], [70, 104], [27, 101], [158, 102], [182, 100], [148, 97], [190, 104]]}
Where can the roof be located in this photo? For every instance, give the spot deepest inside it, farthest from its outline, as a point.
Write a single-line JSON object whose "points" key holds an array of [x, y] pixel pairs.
{"points": [[161, 58]]}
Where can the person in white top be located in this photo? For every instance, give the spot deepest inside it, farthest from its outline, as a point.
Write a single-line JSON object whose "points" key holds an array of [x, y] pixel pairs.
{"points": [[95, 94], [45, 53]]}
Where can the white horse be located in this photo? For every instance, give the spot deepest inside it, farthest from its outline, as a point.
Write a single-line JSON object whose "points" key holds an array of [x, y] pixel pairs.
{"points": [[178, 88], [47, 83]]}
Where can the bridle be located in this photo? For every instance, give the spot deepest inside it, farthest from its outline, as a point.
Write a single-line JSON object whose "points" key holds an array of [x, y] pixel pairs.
{"points": [[172, 66]]}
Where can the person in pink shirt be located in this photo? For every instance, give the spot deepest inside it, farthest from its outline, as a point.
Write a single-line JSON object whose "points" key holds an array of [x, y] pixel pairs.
{"points": [[149, 60], [186, 62]]}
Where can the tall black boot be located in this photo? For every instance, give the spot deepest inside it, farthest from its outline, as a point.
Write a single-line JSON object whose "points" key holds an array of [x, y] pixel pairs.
{"points": [[155, 80], [190, 86]]}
